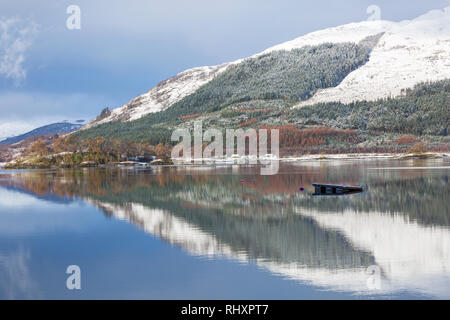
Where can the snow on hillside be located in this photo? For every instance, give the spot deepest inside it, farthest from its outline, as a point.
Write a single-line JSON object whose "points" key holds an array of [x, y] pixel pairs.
{"points": [[353, 32], [174, 89], [408, 53], [163, 95]]}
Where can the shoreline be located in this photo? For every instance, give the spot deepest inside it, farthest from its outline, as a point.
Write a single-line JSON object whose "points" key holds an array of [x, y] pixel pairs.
{"points": [[310, 157], [369, 156]]}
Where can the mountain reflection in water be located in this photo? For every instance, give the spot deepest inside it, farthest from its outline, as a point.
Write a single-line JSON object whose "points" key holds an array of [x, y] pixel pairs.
{"points": [[401, 223]]}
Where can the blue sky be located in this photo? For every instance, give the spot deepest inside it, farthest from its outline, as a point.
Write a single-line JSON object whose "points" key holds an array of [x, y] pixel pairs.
{"points": [[50, 73]]}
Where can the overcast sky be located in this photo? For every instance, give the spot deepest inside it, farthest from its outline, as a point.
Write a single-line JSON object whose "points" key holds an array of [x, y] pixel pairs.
{"points": [[50, 73]]}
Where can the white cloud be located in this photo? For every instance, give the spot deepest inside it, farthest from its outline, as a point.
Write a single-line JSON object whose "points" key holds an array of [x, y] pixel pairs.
{"points": [[21, 112], [18, 127], [15, 275], [14, 128], [16, 37], [13, 199]]}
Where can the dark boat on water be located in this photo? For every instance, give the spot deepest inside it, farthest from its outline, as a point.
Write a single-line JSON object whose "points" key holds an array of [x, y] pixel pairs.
{"points": [[335, 189]]}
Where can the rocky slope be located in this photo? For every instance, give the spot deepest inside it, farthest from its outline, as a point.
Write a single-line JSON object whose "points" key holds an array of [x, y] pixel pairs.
{"points": [[165, 94]]}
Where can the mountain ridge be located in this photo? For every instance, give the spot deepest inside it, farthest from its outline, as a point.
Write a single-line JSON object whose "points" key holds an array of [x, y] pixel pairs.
{"points": [[361, 84], [147, 102], [59, 127]]}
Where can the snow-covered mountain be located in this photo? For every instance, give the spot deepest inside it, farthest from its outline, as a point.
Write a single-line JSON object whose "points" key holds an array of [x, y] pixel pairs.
{"points": [[409, 52]]}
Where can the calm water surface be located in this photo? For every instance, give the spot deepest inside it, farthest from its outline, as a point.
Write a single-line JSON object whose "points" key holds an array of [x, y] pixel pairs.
{"points": [[207, 233]]}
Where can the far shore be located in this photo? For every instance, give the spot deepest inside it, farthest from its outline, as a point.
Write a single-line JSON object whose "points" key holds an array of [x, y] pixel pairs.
{"points": [[310, 157], [369, 156]]}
